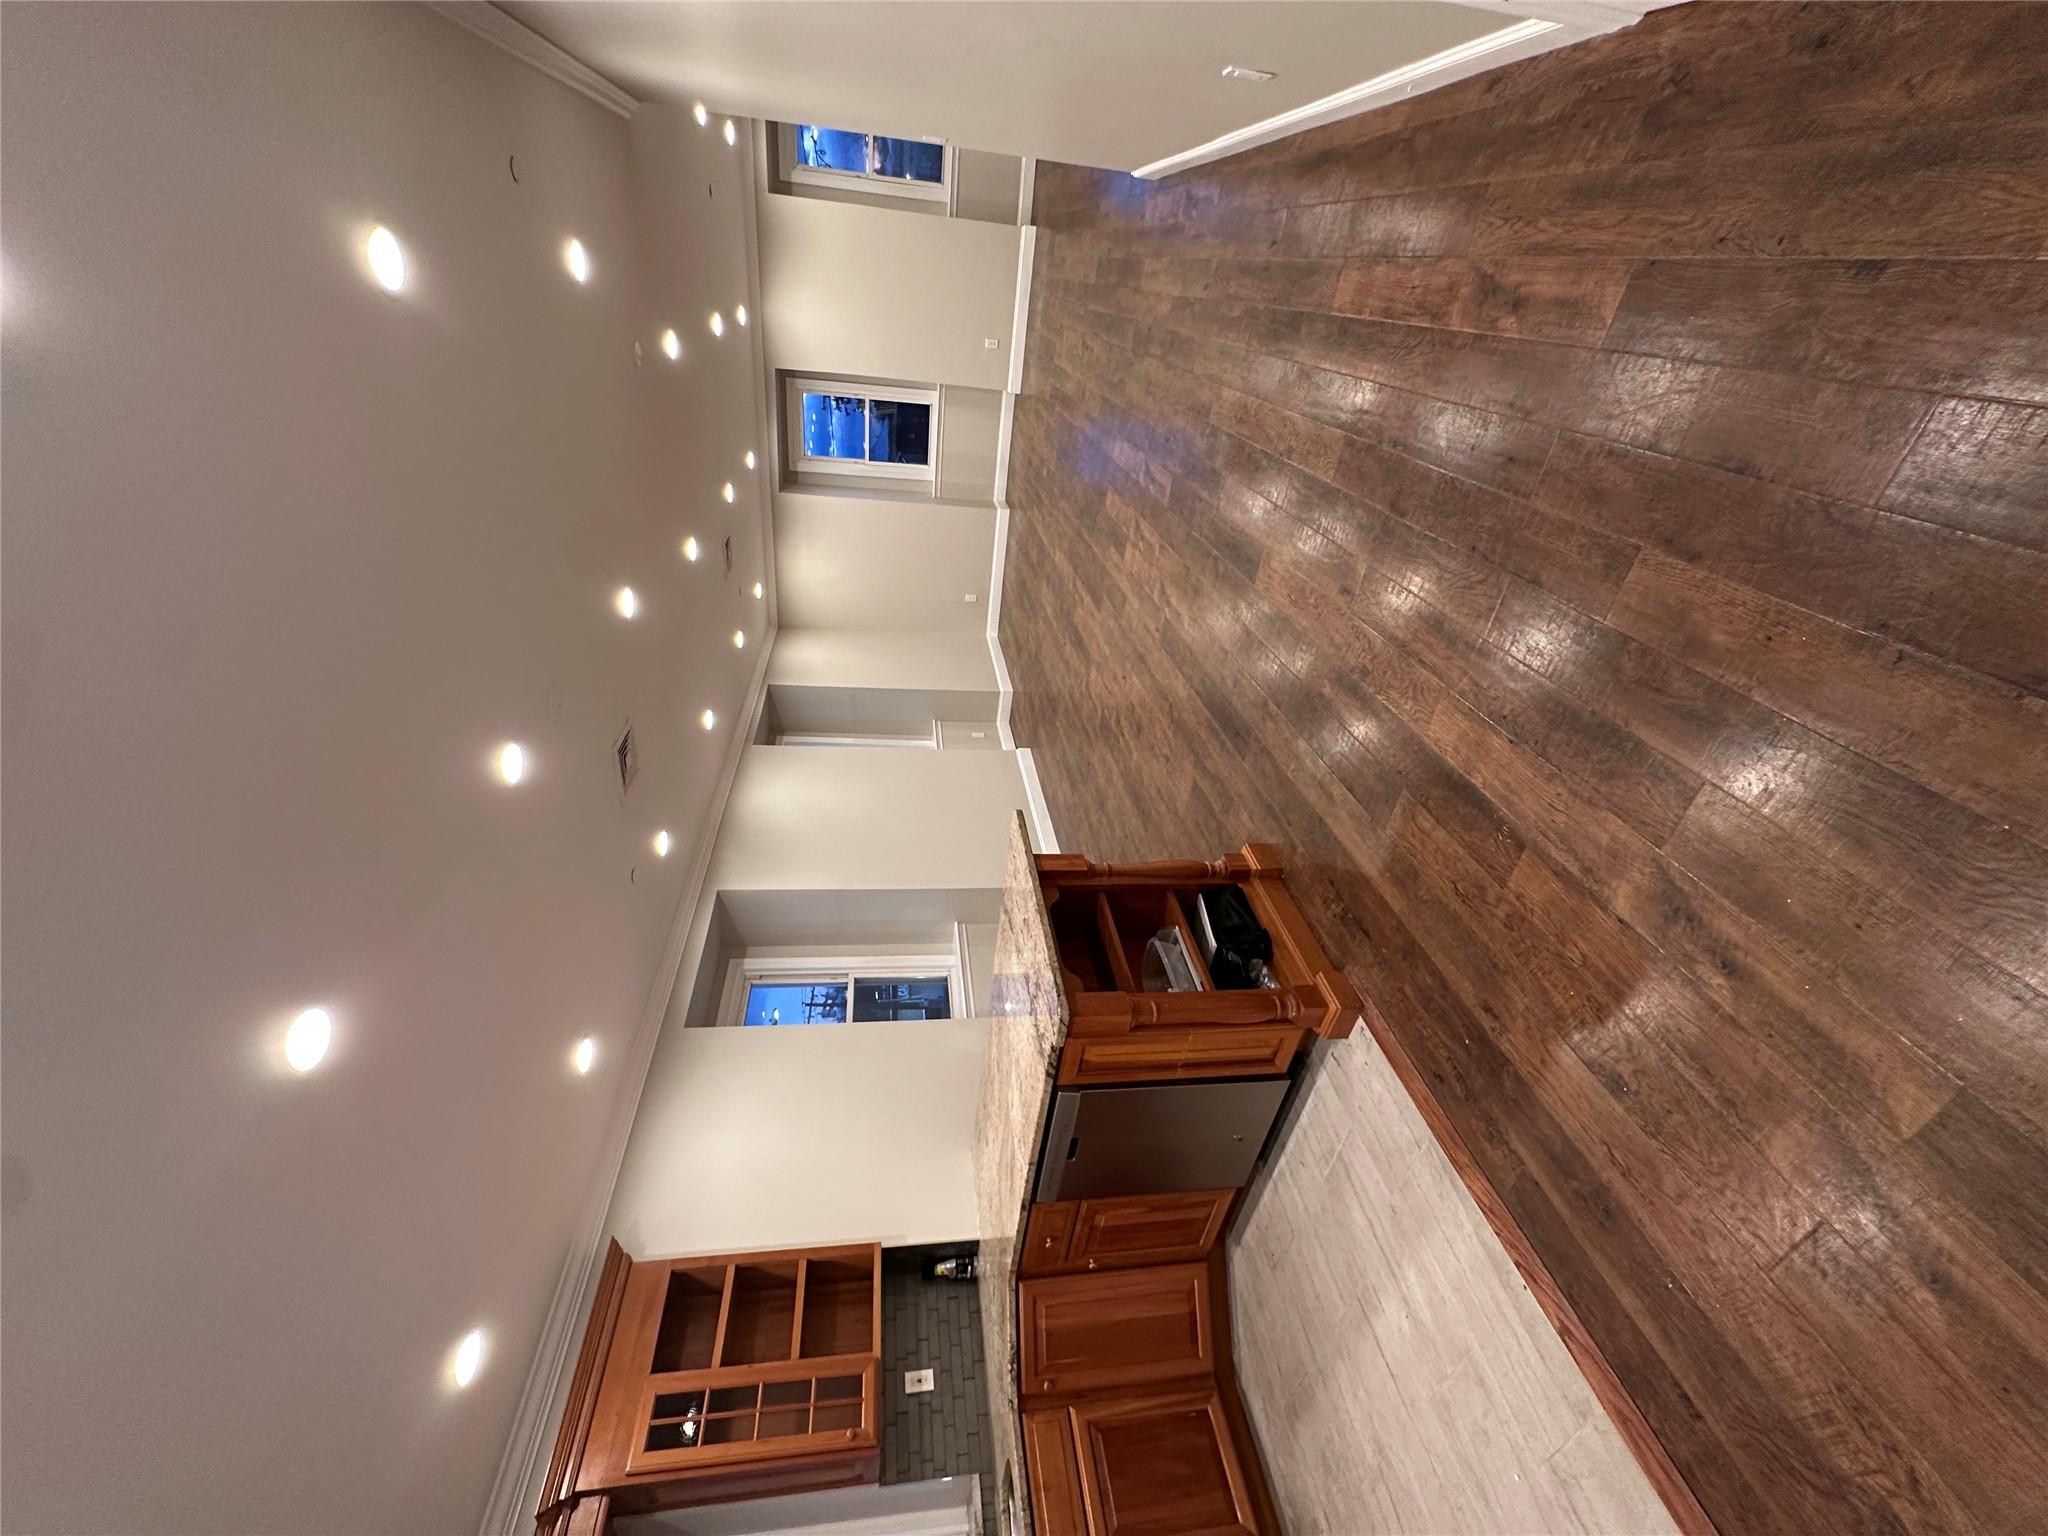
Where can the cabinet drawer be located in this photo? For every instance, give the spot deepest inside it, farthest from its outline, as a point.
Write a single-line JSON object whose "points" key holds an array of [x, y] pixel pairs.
{"points": [[1046, 1238], [1115, 1328], [1147, 1229], [1212, 1051]]}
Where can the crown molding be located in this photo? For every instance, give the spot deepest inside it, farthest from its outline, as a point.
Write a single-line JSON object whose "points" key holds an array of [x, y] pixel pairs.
{"points": [[527, 45]]}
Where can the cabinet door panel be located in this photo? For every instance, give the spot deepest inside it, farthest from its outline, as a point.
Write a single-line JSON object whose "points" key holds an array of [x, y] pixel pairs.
{"points": [[1162, 1465], [1115, 1328], [1147, 1229], [1046, 1238], [1054, 1474]]}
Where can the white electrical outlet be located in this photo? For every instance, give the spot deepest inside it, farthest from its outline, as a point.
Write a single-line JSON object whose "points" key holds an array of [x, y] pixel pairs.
{"points": [[917, 1381], [989, 343]]}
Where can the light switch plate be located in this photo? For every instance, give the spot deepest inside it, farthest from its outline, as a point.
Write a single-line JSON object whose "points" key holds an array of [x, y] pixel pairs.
{"points": [[917, 1381]]}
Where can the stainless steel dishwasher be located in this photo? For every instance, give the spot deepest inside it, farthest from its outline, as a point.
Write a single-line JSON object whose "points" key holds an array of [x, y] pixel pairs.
{"points": [[1149, 1141]]}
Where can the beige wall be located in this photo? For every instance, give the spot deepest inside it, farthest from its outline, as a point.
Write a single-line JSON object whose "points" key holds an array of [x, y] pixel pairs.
{"points": [[930, 292], [985, 185], [857, 563], [286, 557], [859, 1132], [867, 819], [776, 1138], [879, 658], [969, 434]]}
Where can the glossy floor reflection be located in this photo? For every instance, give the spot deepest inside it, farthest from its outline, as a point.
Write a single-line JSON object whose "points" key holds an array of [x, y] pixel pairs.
{"points": [[1593, 517]]}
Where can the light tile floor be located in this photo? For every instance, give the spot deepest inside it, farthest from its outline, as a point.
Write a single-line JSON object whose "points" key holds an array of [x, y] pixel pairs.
{"points": [[1399, 1375]]}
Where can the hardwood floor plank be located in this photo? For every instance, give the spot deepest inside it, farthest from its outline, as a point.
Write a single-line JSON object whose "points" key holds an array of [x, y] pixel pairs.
{"points": [[1555, 300], [1959, 328], [1961, 735], [1971, 190], [1981, 466], [1954, 595]]}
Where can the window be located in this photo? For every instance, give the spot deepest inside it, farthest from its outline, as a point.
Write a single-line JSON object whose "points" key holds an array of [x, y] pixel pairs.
{"points": [[855, 429], [871, 162], [777, 993]]}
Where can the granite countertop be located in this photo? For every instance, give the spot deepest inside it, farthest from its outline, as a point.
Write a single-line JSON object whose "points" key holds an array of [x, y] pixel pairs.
{"points": [[1027, 1027]]}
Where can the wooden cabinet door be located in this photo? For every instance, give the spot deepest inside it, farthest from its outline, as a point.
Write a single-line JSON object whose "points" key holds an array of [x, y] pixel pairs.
{"points": [[1163, 1464], [1115, 1328], [1147, 1229], [1054, 1474], [1046, 1237]]}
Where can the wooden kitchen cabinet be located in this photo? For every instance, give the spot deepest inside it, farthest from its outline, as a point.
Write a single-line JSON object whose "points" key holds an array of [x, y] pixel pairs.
{"points": [[1148, 1229], [1163, 1463], [705, 1379], [1124, 1231], [1116, 1328], [1103, 915]]}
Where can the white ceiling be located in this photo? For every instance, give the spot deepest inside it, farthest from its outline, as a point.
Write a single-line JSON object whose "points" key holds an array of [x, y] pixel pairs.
{"points": [[286, 558], [1116, 83]]}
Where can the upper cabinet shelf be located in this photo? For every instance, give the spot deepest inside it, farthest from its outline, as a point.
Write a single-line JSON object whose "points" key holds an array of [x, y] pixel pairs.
{"points": [[1104, 917]]}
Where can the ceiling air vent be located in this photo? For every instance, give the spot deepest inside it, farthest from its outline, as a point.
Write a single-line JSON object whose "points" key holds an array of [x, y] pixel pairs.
{"points": [[627, 755]]}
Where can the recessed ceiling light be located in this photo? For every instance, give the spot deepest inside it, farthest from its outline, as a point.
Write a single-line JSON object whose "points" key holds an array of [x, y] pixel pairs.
{"points": [[717, 323], [577, 260], [727, 491], [701, 114], [662, 843], [469, 1357], [758, 591], [740, 314], [387, 259], [750, 458], [739, 639], [584, 1057], [305, 1043], [707, 719], [511, 762], [671, 345], [732, 134], [691, 548], [627, 601], [1241, 72]]}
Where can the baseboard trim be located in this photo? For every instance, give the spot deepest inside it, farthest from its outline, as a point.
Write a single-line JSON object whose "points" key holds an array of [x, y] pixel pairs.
{"points": [[1036, 811], [1531, 35], [522, 42], [523, 1465], [1020, 317]]}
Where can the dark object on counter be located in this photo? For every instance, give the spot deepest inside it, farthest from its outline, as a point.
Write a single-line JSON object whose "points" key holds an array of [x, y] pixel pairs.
{"points": [[958, 1267], [1234, 942]]}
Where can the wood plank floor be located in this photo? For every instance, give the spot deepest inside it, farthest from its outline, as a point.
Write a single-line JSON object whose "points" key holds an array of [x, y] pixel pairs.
{"points": [[1595, 516]]}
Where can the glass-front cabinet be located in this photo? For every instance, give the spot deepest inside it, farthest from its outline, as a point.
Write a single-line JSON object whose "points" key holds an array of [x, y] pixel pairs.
{"points": [[759, 1359], [723, 1376]]}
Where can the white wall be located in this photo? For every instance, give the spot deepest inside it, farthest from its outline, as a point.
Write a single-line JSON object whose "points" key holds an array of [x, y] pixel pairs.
{"points": [[850, 289], [861, 1132], [867, 819], [286, 557], [857, 563], [779, 1138], [882, 658]]}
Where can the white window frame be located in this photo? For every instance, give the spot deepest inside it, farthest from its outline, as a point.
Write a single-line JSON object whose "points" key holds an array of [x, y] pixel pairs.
{"points": [[742, 973], [869, 183], [793, 408]]}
